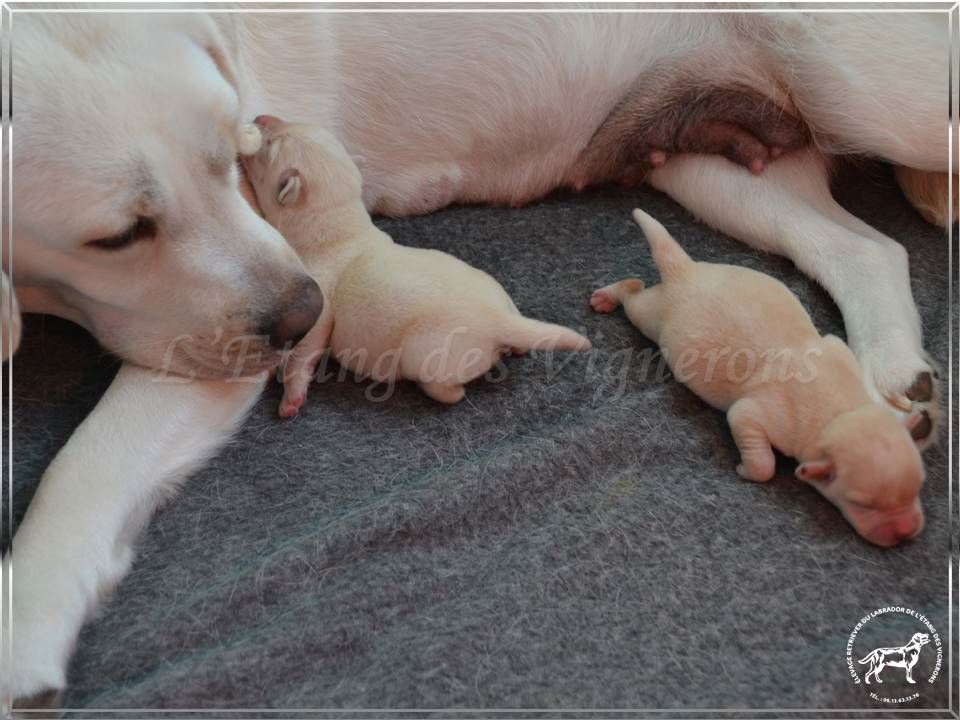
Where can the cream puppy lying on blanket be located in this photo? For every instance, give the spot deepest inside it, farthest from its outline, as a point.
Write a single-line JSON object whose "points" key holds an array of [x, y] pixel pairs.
{"points": [[743, 342], [392, 311]]}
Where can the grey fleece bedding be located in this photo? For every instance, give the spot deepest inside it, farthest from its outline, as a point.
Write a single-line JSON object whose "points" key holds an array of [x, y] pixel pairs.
{"points": [[572, 535]]}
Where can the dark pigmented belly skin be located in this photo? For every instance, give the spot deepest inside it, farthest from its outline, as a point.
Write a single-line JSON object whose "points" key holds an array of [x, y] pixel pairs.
{"points": [[670, 111]]}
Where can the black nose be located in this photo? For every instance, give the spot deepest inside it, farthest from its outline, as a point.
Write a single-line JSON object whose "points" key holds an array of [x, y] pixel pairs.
{"points": [[300, 314]]}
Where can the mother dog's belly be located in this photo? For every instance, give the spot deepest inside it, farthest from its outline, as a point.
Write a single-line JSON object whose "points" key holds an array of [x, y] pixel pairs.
{"points": [[422, 188], [639, 133], [486, 107], [487, 159], [506, 108]]}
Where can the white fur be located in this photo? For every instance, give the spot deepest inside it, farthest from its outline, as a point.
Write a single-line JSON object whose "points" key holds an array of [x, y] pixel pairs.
{"points": [[491, 108], [76, 540]]}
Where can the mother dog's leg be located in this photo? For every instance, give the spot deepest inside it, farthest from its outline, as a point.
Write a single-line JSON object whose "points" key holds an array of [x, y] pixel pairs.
{"points": [[789, 211], [76, 541]]}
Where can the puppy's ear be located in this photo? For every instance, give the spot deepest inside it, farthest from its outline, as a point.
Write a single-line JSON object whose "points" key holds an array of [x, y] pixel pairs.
{"points": [[819, 470], [289, 187]]}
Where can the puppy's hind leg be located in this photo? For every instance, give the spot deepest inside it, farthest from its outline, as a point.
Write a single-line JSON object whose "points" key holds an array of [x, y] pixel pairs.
{"points": [[441, 361], [641, 305], [609, 298], [447, 393]]}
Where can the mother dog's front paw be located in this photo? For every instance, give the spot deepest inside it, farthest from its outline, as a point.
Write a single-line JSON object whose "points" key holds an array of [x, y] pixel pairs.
{"points": [[43, 704], [907, 383], [33, 666], [36, 680]]}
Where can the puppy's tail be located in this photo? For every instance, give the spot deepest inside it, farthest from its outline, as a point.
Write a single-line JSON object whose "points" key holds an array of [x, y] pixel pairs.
{"points": [[670, 258], [523, 334]]}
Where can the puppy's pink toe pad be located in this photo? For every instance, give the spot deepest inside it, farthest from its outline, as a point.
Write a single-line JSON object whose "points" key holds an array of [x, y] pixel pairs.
{"points": [[602, 302]]}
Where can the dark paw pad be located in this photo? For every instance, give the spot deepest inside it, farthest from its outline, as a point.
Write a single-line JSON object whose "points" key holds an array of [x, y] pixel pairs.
{"points": [[44, 704], [922, 430], [922, 388]]}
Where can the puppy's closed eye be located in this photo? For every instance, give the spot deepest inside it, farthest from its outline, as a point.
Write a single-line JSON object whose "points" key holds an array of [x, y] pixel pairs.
{"points": [[143, 228]]}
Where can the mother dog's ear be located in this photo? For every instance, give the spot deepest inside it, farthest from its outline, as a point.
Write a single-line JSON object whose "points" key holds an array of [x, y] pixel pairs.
{"points": [[223, 62], [219, 45]]}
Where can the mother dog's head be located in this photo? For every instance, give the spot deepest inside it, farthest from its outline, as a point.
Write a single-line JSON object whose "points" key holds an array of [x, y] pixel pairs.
{"points": [[126, 209]]}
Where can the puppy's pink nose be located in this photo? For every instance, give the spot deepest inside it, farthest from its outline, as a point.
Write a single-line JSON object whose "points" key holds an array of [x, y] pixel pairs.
{"points": [[267, 122], [900, 528]]}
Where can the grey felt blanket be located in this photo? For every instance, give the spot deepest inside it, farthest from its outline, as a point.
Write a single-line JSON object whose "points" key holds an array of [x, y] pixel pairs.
{"points": [[572, 535]]}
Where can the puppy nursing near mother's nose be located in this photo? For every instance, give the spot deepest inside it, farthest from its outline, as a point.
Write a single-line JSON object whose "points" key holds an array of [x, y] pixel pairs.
{"points": [[743, 342], [391, 312]]}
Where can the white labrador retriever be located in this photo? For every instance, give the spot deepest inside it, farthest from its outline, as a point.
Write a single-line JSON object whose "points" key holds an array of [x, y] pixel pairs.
{"points": [[128, 219]]}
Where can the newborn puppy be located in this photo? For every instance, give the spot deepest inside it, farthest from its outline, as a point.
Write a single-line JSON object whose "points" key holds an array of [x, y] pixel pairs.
{"points": [[392, 311], [743, 342]]}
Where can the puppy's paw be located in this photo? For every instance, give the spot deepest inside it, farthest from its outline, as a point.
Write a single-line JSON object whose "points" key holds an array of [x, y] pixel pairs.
{"points": [[907, 383], [754, 474], [447, 394], [603, 302], [291, 404]]}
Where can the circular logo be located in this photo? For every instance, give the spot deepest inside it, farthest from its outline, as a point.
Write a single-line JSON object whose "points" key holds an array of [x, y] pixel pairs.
{"points": [[894, 652]]}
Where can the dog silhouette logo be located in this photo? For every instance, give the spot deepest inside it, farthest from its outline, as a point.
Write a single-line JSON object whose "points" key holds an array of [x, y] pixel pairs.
{"points": [[921, 665], [900, 657]]}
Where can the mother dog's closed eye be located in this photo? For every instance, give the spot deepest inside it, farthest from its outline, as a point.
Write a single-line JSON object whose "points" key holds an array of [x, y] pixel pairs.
{"points": [[153, 248]]}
